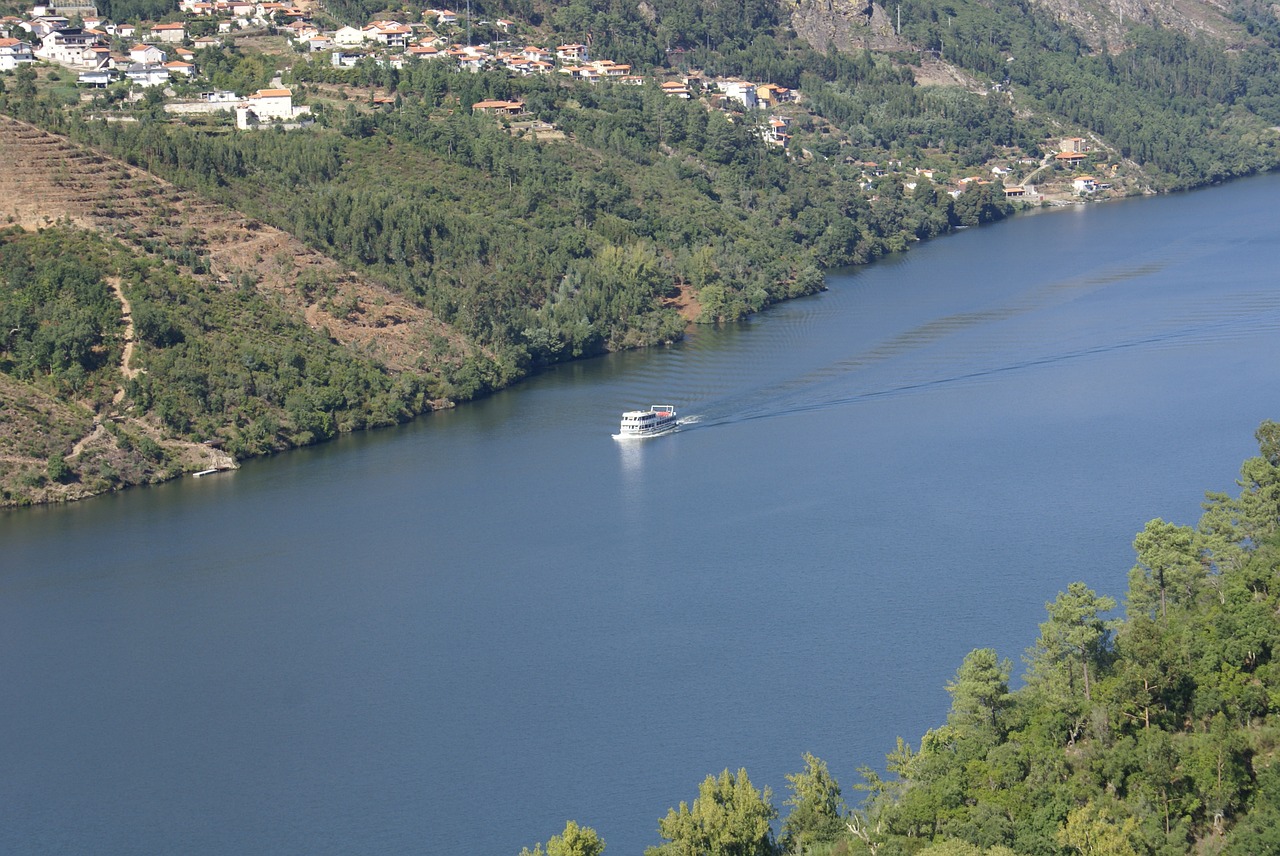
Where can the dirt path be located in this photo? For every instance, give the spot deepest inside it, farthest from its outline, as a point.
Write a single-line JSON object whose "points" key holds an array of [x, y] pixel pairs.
{"points": [[126, 359], [126, 365], [97, 432]]}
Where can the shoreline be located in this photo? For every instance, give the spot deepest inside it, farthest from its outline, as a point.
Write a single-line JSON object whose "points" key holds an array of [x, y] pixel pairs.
{"points": [[188, 457]]}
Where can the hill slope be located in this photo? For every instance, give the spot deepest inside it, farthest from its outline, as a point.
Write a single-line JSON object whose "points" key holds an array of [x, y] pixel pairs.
{"points": [[220, 300]]}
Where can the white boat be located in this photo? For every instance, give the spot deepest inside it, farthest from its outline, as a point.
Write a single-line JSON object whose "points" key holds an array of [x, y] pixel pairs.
{"points": [[658, 419]]}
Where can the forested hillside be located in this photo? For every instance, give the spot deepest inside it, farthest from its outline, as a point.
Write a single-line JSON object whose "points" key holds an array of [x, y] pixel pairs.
{"points": [[608, 216]]}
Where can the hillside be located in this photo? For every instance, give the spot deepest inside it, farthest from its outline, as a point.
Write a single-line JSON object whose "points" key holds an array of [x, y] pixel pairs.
{"points": [[48, 179], [411, 248], [1101, 24], [122, 425]]}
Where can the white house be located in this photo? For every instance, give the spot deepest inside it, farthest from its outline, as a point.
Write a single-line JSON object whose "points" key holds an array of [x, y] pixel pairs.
{"points": [[147, 75], [13, 53], [43, 26], [147, 55], [267, 105], [740, 91], [1085, 184], [71, 47], [97, 78], [572, 53], [388, 33], [349, 36]]}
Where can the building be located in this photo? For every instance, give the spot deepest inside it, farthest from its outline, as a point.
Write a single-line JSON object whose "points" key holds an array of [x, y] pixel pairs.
{"points": [[147, 55], [71, 47], [501, 108], [349, 36], [169, 33], [98, 78], [771, 94], [13, 53], [572, 53], [741, 91], [389, 33], [268, 105], [147, 75]]}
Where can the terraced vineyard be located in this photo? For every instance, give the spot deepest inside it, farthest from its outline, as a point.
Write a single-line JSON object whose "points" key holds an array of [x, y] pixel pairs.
{"points": [[47, 179], [57, 447]]}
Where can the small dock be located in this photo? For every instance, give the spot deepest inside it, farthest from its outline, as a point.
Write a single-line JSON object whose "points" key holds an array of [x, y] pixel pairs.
{"points": [[211, 471]]}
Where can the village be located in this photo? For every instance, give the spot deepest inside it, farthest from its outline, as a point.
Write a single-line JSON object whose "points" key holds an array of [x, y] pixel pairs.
{"points": [[166, 55]]}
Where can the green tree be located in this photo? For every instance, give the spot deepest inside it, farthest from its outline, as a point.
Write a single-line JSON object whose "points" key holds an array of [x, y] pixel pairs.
{"points": [[574, 841], [980, 692], [1259, 502], [1219, 766], [1167, 566], [728, 818], [1075, 635], [817, 809], [58, 468], [1099, 829]]}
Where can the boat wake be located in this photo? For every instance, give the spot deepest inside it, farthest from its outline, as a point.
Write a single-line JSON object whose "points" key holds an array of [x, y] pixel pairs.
{"points": [[827, 387]]}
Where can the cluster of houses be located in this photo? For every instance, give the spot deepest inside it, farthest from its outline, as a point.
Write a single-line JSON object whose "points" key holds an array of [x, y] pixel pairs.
{"points": [[48, 36], [158, 55], [1072, 152], [87, 49]]}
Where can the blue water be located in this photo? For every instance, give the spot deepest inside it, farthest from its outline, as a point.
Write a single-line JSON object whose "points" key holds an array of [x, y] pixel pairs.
{"points": [[454, 636]]}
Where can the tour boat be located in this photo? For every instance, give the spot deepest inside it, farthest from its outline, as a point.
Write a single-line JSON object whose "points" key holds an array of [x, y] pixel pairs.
{"points": [[658, 419]]}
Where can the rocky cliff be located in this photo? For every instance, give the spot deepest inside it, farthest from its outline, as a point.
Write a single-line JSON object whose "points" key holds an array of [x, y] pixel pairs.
{"points": [[856, 24]]}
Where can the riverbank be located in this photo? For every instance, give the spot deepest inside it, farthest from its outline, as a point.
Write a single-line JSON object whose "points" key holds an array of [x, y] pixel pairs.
{"points": [[229, 255]]}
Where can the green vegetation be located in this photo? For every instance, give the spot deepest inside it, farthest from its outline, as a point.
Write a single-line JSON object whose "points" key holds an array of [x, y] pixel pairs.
{"points": [[226, 365], [1186, 109], [729, 816], [61, 322], [541, 251], [232, 365], [545, 252], [574, 841], [607, 215]]}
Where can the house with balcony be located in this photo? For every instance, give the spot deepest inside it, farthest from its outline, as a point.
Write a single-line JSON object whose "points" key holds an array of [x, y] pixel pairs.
{"points": [[72, 47], [572, 53], [14, 53]]}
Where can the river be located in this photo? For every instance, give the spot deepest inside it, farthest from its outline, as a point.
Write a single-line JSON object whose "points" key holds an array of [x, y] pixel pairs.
{"points": [[453, 636]]}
